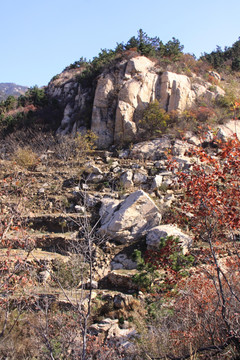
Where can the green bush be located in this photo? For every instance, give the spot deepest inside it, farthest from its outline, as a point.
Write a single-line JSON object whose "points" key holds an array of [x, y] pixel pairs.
{"points": [[169, 255], [155, 120], [147, 272], [221, 59]]}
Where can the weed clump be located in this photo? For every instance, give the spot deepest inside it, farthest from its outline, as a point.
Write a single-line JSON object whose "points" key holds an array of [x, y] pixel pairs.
{"points": [[26, 157]]}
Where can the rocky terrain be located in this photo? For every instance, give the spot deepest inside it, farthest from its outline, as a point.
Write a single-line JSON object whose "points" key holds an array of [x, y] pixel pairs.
{"points": [[99, 257], [111, 203]]}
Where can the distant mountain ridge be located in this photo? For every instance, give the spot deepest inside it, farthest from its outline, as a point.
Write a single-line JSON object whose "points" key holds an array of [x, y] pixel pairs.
{"points": [[7, 89]]}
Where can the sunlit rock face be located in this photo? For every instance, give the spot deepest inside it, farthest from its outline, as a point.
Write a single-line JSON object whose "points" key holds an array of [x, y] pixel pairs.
{"points": [[113, 105]]}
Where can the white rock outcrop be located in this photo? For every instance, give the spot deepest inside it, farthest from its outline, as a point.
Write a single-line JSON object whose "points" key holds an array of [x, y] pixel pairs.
{"points": [[126, 179], [129, 219], [157, 182], [121, 261], [162, 231], [139, 88], [122, 92], [176, 91], [229, 129], [151, 150]]}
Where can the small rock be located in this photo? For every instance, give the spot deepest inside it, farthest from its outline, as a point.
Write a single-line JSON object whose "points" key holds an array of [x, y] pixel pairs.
{"points": [[157, 182], [44, 276], [95, 178], [126, 179], [93, 285], [85, 187], [140, 177], [91, 168], [114, 164], [80, 209], [123, 154], [120, 279], [121, 261], [116, 169]]}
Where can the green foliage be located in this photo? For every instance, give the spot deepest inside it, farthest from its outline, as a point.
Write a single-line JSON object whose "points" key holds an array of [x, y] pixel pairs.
{"points": [[143, 44], [148, 46], [36, 96], [147, 273], [168, 259], [9, 121], [222, 58], [16, 120], [169, 255], [179, 261], [172, 49], [18, 112], [55, 77], [77, 64], [226, 101], [137, 256], [155, 120], [156, 310], [10, 102], [93, 69], [21, 101]]}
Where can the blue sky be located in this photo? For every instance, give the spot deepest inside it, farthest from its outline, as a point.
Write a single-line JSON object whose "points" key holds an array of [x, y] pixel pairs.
{"points": [[41, 38]]}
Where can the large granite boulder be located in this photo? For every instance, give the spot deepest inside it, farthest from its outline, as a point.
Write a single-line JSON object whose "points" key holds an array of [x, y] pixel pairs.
{"points": [[155, 235], [102, 114], [129, 219], [162, 231], [229, 129], [151, 150]]}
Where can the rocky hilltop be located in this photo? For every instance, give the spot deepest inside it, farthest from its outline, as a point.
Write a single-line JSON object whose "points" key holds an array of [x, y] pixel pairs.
{"points": [[120, 93]]}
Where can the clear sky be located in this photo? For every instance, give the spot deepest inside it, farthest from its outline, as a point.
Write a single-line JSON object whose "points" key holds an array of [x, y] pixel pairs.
{"points": [[41, 37]]}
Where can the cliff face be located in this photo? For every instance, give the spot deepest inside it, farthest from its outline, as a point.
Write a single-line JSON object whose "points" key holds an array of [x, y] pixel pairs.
{"points": [[112, 107]]}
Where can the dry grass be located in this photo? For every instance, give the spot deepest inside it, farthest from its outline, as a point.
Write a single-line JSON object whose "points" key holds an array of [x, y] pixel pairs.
{"points": [[25, 157]]}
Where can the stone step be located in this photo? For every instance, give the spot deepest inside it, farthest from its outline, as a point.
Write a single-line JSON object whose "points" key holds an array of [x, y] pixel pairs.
{"points": [[56, 222], [40, 297], [36, 255]]}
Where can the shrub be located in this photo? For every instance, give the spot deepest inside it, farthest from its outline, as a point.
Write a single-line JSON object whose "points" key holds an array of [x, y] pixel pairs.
{"points": [[155, 120], [26, 157], [70, 274], [147, 273], [169, 255], [85, 143]]}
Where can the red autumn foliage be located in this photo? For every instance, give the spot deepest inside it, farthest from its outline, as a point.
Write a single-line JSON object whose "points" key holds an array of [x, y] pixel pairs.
{"points": [[209, 300]]}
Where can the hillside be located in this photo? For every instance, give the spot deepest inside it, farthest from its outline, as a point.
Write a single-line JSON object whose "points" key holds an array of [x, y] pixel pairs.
{"points": [[74, 218], [120, 210], [7, 89]]}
